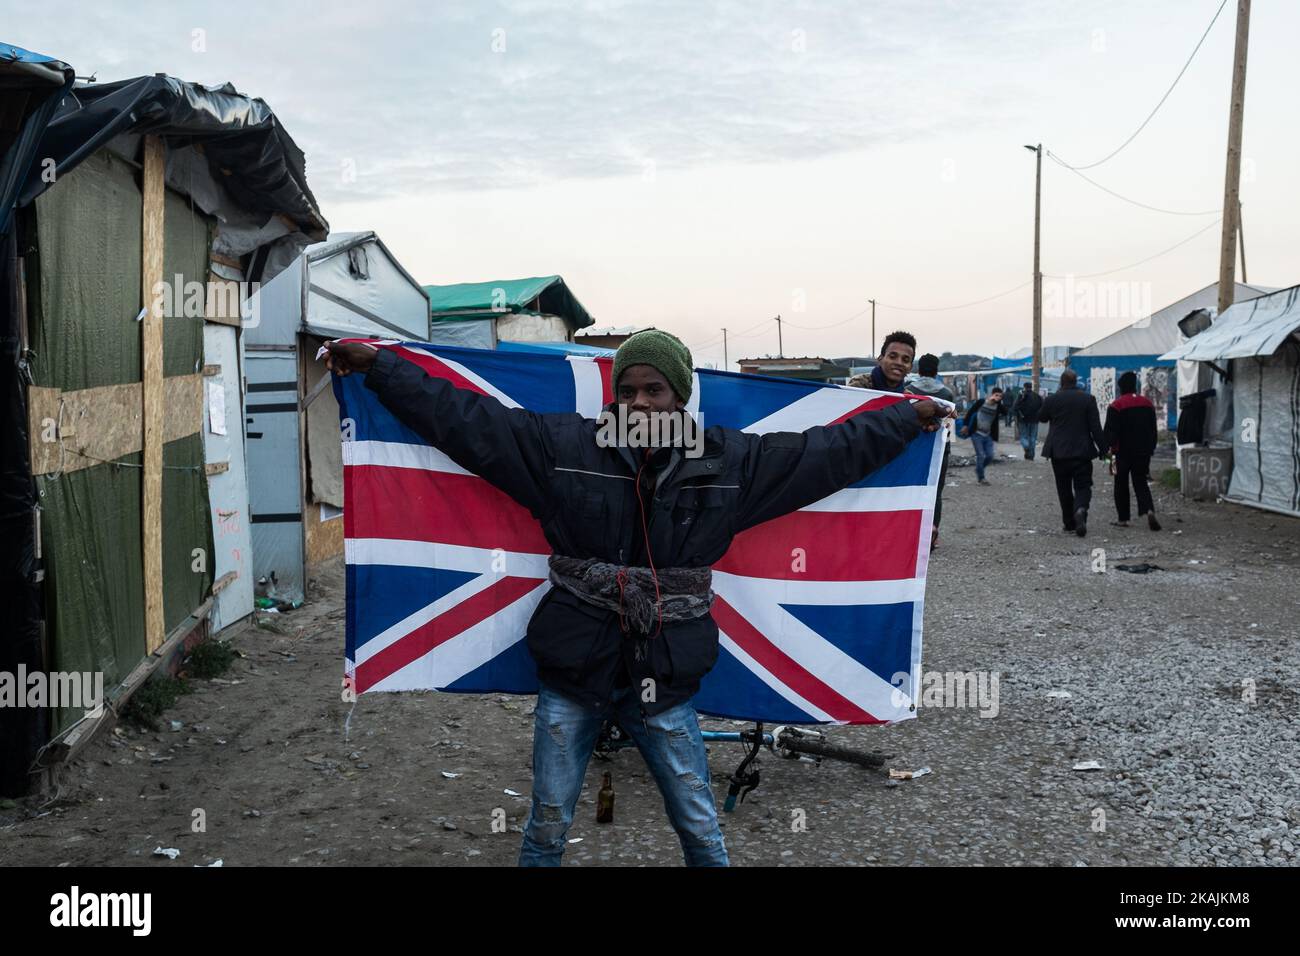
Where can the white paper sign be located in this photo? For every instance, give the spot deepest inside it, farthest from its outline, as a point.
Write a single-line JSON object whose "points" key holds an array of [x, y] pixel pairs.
{"points": [[217, 408]]}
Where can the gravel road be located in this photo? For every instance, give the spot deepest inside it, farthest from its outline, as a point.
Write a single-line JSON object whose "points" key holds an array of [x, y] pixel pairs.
{"points": [[1182, 684]]}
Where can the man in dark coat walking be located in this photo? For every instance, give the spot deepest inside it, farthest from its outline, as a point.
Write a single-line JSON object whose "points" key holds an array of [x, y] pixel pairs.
{"points": [[1027, 407], [1131, 437], [1073, 441]]}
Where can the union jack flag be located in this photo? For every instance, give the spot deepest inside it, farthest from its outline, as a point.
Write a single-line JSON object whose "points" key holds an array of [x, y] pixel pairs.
{"points": [[444, 570]]}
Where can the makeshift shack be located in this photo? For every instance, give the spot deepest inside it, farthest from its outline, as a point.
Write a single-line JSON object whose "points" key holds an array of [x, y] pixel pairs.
{"points": [[481, 314], [133, 214], [349, 286], [1255, 347], [1138, 348]]}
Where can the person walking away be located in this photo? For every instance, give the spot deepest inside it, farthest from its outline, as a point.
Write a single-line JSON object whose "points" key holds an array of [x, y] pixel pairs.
{"points": [[1074, 439], [1027, 406], [981, 425], [1131, 437], [625, 631], [930, 385]]}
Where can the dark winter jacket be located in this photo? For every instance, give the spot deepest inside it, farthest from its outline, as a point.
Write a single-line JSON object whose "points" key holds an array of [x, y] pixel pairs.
{"points": [[1131, 426], [585, 497], [1076, 425], [1028, 405]]}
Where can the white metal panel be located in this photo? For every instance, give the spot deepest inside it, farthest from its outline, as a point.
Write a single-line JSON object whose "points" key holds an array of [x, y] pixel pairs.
{"points": [[227, 490], [380, 302], [275, 308], [275, 488]]}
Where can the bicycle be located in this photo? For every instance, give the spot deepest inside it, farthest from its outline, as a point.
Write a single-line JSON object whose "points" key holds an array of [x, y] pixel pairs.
{"points": [[790, 743]]}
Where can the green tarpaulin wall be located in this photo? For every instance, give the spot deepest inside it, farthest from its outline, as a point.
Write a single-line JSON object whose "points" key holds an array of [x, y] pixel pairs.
{"points": [[84, 292]]}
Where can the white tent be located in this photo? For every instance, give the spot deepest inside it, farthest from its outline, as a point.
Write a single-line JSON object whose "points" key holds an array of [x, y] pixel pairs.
{"points": [[1158, 332], [1258, 344], [1138, 348]]}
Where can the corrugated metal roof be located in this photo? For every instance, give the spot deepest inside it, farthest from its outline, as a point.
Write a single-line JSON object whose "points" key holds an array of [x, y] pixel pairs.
{"points": [[1256, 327], [1158, 332]]}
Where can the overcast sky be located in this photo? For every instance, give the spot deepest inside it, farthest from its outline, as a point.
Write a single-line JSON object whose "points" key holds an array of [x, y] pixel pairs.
{"points": [[697, 170]]}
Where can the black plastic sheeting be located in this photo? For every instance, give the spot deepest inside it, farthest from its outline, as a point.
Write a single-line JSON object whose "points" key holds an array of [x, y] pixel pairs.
{"points": [[32, 88], [247, 149], [23, 730]]}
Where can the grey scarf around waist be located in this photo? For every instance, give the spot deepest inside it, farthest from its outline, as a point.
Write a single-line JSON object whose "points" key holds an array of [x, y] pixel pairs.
{"points": [[684, 593]]}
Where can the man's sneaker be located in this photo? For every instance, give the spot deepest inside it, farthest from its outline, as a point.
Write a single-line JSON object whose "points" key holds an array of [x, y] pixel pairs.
{"points": [[984, 481], [1152, 523], [1080, 522]]}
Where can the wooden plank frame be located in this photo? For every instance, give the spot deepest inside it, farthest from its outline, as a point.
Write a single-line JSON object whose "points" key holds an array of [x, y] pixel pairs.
{"points": [[151, 274]]}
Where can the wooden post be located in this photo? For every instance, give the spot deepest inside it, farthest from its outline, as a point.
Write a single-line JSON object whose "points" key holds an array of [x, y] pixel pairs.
{"points": [[151, 273], [1241, 234], [1232, 176], [1037, 361]]}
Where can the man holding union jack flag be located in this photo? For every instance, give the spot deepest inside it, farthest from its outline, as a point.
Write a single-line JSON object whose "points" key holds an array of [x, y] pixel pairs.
{"points": [[625, 630]]}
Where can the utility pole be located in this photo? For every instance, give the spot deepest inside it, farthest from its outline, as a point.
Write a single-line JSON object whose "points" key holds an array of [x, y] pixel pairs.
{"points": [[725, 363], [1241, 234], [873, 325], [1232, 176], [780, 350], [1038, 275]]}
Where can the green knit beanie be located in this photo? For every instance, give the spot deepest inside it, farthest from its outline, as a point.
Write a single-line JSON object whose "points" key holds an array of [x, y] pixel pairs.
{"points": [[664, 352]]}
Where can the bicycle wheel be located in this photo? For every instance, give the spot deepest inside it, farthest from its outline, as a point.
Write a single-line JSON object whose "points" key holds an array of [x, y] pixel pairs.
{"points": [[813, 747]]}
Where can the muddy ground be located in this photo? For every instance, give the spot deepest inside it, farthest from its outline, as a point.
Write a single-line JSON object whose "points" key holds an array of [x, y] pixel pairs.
{"points": [[1182, 684]]}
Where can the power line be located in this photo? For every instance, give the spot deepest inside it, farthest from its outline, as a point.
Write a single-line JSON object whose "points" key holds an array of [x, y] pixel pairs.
{"points": [[1132, 265], [1150, 115], [949, 308], [999, 295], [1172, 212], [832, 325]]}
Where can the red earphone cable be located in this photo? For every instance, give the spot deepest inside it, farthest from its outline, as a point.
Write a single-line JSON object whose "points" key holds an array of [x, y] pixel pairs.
{"points": [[645, 530]]}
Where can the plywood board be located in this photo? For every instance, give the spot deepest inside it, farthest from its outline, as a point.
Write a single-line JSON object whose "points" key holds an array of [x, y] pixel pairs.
{"points": [[74, 430], [154, 401]]}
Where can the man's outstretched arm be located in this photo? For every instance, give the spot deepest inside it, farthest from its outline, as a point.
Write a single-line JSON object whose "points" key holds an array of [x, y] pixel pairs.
{"points": [[506, 446], [787, 470]]}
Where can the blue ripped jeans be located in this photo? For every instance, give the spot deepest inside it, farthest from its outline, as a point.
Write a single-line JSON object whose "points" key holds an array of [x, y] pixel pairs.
{"points": [[984, 452], [564, 735]]}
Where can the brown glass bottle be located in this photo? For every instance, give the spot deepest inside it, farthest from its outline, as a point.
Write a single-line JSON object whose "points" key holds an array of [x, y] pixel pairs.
{"points": [[605, 800]]}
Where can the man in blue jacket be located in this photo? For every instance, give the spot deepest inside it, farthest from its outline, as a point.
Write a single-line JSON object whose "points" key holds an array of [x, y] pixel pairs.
{"points": [[625, 630]]}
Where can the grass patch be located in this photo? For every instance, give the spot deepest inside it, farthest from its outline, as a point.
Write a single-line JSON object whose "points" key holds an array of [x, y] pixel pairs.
{"points": [[1171, 479], [210, 658], [148, 703]]}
